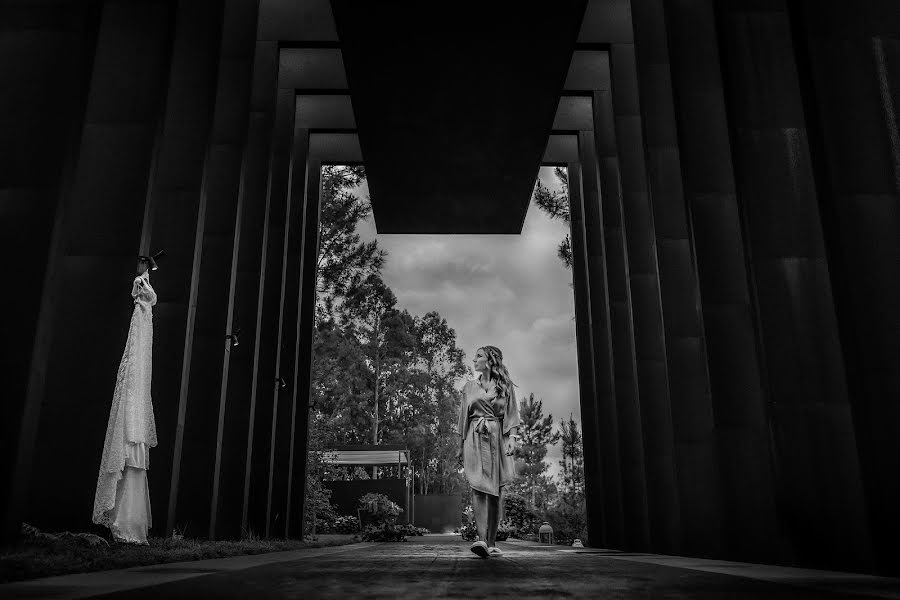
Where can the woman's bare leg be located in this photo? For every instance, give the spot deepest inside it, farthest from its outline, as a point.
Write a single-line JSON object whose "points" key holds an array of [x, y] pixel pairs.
{"points": [[493, 519], [480, 507]]}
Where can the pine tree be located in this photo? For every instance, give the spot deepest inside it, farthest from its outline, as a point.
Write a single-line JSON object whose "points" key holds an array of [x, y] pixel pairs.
{"points": [[379, 374], [556, 205], [536, 434], [567, 512], [384, 334], [343, 261], [573, 457]]}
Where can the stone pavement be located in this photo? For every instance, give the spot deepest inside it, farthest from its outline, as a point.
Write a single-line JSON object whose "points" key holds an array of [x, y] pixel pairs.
{"points": [[443, 567]]}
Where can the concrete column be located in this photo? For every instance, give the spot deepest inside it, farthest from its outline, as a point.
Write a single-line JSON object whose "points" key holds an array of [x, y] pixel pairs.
{"points": [[93, 260], [849, 65], [605, 426], [201, 393], [237, 413], [649, 335], [822, 500], [593, 484], [171, 223], [269, 392], [232, 450], [285, 403], [692, 410], [628, 410], [736, 377], [37, 161], [253, 271], [309, 252]]}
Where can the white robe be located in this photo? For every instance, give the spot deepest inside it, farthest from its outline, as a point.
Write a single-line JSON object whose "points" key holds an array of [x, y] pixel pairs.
{"points": [[122, 499]]}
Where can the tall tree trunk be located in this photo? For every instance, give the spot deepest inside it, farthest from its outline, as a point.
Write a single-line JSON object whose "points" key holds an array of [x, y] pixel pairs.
{"points": [[377, 385]]}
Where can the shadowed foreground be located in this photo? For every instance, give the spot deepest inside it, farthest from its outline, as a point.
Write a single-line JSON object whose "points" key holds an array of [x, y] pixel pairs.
{"points": [[443, 567]]}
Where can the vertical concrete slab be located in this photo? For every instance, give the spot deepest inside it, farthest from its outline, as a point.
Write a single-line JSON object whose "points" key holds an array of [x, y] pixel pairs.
{"points": [[593, 484], [249, 271], [206, 347], [849, 65], [692, 411], [606, 426], [269, 390], [37, 161], [281, 476], [815, 444], [312, 210], [736, 378], [171, 224], [94, 260], [649, 334], [635, 507]]}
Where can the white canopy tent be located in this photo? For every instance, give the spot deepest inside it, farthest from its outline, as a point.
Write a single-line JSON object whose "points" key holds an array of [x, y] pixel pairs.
{"points": [[371, 455]]}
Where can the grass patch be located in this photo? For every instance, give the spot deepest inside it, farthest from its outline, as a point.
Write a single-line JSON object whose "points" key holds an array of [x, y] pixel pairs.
{"points": [[32, 559]]}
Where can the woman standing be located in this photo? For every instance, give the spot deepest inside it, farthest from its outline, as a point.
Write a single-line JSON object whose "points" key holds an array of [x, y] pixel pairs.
{"points": [[489, 425]]}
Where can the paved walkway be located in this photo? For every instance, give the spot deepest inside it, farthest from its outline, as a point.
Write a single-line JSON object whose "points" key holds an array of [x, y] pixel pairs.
{"points": [[443, 567]]}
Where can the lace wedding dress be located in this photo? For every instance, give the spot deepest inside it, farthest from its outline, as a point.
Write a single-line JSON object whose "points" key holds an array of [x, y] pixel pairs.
{"points": [[122, 499]]}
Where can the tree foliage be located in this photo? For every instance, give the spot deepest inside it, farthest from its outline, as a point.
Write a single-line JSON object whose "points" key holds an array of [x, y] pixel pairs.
{"points": [[556, 205], [572, 462], [344, 260], [567, 513], [380, 375], [536, 433]]}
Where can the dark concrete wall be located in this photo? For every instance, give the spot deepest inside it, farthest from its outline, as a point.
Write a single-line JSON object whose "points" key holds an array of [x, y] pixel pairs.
{"points": [[738, 401], [822, 504], [197, 442], [749, 181], [735, 228], [39, 43], [93, 258], [173, 207], [162, 141], [437, 513], [848, 60]]}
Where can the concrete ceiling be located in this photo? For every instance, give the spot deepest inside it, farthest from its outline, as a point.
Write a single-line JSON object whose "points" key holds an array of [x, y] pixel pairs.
{"points": [[454, 106]]}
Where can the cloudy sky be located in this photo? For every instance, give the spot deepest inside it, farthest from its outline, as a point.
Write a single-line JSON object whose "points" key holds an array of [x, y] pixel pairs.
{"points": [[510, 291]]}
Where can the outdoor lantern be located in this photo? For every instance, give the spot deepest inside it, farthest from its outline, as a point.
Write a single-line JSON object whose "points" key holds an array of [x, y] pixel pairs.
{"points": [[545, 534]]}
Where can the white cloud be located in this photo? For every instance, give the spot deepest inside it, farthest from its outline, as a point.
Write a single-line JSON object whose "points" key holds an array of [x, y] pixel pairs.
{"points": [[511, 291]]}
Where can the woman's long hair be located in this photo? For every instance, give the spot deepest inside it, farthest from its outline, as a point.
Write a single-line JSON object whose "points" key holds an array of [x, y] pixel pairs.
{"points": [[497, 371]]}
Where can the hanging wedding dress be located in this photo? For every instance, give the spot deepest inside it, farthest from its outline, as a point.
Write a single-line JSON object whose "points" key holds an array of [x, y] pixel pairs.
{"points": [[122, 500]]}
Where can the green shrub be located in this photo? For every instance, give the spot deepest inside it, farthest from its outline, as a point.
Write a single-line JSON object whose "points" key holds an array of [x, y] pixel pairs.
{"points": [[520, 517], [410, 529], [345, 524], [383, 532], [378, 509], [468, 531], [567, 518], [379, 505], [505, 530]]}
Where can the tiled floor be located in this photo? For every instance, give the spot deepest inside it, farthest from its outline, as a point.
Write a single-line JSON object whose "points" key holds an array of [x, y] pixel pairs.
{"points": [[443, 567]]}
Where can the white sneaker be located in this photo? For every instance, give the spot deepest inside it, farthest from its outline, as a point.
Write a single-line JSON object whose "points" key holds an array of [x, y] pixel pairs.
{"points": [[480, 548], [495, 551]]}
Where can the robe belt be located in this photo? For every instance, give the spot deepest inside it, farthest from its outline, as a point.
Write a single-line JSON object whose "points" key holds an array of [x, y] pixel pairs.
{"points": [[481, 425]]}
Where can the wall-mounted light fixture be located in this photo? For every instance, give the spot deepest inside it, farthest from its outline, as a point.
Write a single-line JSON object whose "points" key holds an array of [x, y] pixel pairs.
{"points": [[233, 337], [151, 260]]}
